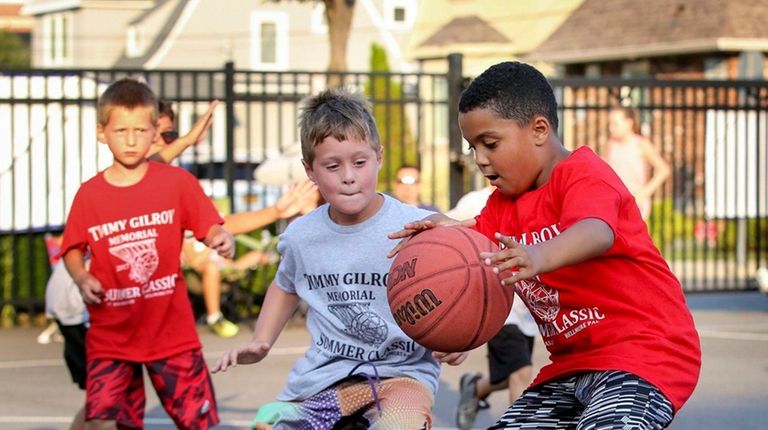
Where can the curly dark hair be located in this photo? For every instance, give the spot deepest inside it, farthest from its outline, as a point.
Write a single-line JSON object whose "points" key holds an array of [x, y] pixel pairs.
{"points": [[512, 90]]}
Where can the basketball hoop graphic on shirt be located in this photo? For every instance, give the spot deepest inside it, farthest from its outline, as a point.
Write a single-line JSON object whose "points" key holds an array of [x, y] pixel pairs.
{"points": [[140, 256], [541, 299], [360, 322]]}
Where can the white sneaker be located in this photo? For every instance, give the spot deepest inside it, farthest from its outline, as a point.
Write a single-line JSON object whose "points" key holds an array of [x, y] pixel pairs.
{"points": [[49, 334], [762, 279]]}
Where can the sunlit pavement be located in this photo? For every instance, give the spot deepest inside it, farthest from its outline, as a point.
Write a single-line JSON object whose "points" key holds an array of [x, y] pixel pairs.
{"points": [[35, 391]]}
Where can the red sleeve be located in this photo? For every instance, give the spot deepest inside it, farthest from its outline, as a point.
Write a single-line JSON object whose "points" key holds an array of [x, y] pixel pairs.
{"points": [[198, 212], [75, 234], [588, 196]]}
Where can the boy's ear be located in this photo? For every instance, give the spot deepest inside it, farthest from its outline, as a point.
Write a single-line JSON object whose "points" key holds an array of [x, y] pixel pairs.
{"points": [[100, 136], [308, 170], [540, 129]]}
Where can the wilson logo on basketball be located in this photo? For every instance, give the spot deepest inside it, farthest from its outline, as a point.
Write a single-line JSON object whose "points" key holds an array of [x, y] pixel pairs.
{"points": [[402, 272], [420, 306]]}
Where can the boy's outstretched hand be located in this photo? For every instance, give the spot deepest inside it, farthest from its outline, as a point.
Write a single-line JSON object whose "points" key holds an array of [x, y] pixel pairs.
{"points": [[452, 358], [248, 353], [417, 226], [517, 260], [299, 196], [200, 128]]}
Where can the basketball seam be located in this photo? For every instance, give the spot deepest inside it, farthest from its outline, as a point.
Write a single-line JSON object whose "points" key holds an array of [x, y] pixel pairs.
{"points": [[485, 294]]}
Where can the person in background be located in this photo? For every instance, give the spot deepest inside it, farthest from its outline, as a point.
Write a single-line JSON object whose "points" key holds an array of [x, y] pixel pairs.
{"points": [[165, 148], [210, 265], [407, 187], [631, 155], [131, 218], [63, 301], [64, 304]]}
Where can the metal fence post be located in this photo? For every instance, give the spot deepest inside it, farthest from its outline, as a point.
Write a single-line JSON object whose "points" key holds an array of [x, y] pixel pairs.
{"points": [[456, 166], [229, 103]]}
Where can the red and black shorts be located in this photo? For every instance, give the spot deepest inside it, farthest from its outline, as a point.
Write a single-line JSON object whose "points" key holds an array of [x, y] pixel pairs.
{"points": [[115, 391]]}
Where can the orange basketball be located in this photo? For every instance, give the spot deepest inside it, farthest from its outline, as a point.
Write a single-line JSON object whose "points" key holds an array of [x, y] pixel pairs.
{"points": [[442, 295]]}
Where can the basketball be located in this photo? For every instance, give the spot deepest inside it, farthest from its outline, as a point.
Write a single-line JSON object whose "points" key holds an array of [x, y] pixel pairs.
{"points": [[442, 295]]}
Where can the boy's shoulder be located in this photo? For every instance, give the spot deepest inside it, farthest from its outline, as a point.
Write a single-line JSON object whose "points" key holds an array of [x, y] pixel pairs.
{"points": [[583, 162], [169, 173], [168, 168]]}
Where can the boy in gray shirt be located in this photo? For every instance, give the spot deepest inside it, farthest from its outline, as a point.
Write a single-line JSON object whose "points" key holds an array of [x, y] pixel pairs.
{"points": [[335, 258]]}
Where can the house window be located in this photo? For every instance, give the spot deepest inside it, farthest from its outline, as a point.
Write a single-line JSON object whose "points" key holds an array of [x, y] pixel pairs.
{"points": [[269, 40], [399, 14], [57, 39]]}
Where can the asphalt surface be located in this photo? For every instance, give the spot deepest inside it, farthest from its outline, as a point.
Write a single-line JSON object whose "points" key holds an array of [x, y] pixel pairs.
{"points": [[36, 393]]}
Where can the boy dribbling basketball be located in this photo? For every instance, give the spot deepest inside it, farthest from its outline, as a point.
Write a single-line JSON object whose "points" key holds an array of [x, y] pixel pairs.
{"points": [[335, 259], [623, 347], [131, 218]]}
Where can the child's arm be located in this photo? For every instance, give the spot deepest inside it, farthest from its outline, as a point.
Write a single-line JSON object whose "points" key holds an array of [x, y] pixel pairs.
{"points": [[277, 309], [221, 240], [586, 239], [90, 287], [452, 358], [660, 167], [289, 204], [195, 135]]}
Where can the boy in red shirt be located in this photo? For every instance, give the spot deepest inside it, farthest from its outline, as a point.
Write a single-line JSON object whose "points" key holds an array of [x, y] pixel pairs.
{"points": [[623, 347], [131, 217]]}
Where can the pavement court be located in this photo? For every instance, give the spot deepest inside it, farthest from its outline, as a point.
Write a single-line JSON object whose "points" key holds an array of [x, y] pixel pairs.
{"points": [[36, 393]]}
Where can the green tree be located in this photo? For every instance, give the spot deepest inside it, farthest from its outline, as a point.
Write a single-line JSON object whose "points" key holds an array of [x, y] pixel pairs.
{"points": [[386, 96], [13, 53]]}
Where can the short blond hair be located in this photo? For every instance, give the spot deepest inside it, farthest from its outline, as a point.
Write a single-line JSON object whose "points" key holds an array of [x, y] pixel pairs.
{"points": [[339, 114], [128, 93]]}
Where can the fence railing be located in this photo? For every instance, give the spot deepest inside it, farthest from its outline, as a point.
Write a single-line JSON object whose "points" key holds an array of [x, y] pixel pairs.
{"points": [[709, 218]]}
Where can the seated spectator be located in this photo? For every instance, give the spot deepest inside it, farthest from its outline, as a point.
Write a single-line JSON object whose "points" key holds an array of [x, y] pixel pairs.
{"points": [[407, 187], [298, 199]]}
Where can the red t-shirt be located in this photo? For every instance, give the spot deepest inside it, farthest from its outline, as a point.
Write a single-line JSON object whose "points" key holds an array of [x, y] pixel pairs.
{"points": [[134, 235], [624, 310]]}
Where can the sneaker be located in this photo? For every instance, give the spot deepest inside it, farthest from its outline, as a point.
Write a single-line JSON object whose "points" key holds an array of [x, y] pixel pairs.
{"points": [[761, 276], [468, 405], [46, 336], [224, 328], [483, 404]]}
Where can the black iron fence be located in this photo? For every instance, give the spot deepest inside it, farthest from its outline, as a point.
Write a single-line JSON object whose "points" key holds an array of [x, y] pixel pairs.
{"points": [[709, 218]]}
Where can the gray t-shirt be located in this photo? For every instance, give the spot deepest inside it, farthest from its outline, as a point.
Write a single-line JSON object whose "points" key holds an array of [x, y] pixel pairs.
{"points": [[341, 273]]}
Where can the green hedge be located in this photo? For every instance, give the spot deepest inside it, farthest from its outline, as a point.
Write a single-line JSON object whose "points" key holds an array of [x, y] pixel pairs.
{"points": [[24, 268]]}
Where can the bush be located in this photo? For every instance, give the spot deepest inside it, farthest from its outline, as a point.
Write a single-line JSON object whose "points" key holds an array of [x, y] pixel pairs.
{"points": [[24, 268], [668, 226]]}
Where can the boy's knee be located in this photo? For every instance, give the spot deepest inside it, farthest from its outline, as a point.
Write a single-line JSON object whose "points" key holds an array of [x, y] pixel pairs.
{"points": [[400, 418], [100, 425]]}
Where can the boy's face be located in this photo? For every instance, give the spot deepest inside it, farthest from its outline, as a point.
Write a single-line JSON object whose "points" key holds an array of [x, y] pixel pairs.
{"points": [[129, 134], [346, 174], [506, 154]]}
